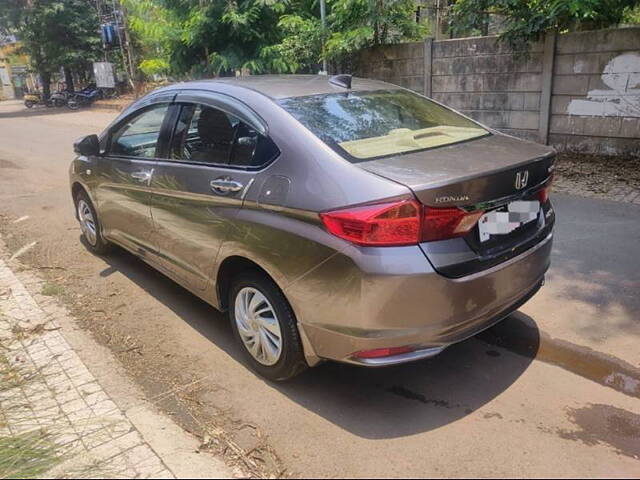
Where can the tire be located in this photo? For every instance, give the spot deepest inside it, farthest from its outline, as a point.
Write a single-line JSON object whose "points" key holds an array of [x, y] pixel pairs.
{"points": [[290, 361], [28, 104], [59, 102], [73, 104], [86, 214]]}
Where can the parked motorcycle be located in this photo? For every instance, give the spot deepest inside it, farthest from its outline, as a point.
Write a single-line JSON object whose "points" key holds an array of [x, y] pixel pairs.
{"points": [[60, 98], [83, 97], [35, 98]]}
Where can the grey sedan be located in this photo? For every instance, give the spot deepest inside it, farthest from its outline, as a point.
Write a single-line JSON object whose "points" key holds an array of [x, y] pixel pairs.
{"points": [[333, 218]]}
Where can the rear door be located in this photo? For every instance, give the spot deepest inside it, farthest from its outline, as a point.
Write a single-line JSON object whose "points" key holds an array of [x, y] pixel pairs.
{"points": [[196, 193], [125, 172]]}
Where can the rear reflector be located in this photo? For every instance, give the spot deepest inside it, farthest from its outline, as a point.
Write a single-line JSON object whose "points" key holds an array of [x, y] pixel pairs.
{"points": [[383, 352], [405, 222]]}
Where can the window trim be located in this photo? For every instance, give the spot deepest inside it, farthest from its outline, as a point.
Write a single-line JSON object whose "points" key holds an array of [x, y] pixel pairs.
{"points": [[176, 108], [225, 103]]}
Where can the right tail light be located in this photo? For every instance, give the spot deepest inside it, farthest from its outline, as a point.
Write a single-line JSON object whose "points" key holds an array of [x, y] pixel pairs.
{"points": [[543, 193]]}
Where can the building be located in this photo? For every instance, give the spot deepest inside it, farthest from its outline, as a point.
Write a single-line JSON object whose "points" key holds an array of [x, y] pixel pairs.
{"points": [[15, 79]]}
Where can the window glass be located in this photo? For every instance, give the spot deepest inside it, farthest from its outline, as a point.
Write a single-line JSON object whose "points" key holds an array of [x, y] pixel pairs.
{"points": [[371, 124], [207, 135], [203, 134], [138, 137]]}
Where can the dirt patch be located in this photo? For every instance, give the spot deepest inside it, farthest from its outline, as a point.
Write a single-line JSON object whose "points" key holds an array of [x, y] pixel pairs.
{"points": [[8, 164], [596, 176], [106, 309]]}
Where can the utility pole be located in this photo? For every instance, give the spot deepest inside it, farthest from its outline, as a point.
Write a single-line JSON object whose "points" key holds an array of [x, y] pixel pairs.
{"points": [[323, 17], [119, 16]]}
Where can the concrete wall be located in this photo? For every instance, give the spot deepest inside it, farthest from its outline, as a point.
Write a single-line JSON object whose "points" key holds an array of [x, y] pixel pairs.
{"points": [[578, 92], [595, 105], [486, 81], [402, 64]]}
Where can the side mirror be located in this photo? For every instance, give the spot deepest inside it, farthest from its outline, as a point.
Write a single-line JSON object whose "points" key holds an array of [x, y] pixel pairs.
{"points": [[87, 146]]}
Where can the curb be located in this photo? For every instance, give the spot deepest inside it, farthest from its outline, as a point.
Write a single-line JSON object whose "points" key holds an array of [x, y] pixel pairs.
{"points": [[148, 442]]}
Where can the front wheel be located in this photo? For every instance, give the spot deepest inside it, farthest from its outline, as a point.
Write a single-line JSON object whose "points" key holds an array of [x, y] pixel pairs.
{"points": [[265, 326], [73, 104], [90, 225], [29, 103]]}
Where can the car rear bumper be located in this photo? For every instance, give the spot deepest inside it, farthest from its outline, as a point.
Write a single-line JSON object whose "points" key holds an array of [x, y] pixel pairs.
{"points": [[363, 299]]}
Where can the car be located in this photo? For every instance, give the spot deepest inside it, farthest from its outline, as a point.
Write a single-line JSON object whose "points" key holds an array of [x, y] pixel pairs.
{"points": [[334, 218]]}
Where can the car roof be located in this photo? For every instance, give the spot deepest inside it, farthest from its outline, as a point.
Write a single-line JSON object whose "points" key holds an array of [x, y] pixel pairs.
{"points": [[286, 86]]}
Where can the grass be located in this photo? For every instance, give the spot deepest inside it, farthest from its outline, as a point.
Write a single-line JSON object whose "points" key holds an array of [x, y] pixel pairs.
{"points": [[27, 455], [52, 289]]}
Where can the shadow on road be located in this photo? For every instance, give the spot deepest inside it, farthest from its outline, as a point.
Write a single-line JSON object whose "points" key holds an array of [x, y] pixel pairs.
{"points": [[372, 403], [37, 111]]}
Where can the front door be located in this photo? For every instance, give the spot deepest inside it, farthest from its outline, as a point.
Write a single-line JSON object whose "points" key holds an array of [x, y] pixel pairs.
{"points": [[198, 191], [125, 174]]}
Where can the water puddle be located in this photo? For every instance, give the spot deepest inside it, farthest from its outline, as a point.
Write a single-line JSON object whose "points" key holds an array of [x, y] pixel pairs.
{"points": [[519, 334]]}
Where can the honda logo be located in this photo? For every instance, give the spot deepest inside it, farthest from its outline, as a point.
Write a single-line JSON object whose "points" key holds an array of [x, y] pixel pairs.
{"points": [[521, 179]]}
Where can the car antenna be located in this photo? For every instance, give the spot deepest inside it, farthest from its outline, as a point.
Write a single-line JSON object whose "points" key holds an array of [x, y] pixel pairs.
{"points": [[343, 80]]}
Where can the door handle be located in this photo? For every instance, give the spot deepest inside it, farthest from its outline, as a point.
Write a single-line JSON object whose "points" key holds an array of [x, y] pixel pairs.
{"points": [[143, 176], [224, 185]]}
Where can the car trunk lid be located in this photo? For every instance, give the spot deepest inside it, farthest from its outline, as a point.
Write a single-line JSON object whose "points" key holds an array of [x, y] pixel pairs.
{"points": [[484, 174], [469, 173]]}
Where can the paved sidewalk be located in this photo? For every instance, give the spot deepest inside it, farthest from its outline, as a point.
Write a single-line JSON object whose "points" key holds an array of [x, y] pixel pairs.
{"points": [[48, 395]]}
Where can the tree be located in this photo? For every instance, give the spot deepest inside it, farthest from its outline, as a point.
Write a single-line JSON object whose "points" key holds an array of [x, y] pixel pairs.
{"points": [[527, 20], [356, 24], [351, 26], [54, 33], [204, 37]]}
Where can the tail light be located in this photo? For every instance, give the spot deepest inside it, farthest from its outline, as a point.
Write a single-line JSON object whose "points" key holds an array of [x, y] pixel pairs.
{"points": [[543, 194], [405, 222], [385, 224], [443, 223]]}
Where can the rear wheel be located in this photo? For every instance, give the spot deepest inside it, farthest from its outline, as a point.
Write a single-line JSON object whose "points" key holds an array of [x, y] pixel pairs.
{"points": [[73, 104], [265, 326], [28, 103], [89, 224]]}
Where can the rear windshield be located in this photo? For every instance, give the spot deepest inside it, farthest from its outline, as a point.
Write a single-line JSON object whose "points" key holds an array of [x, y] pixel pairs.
{"points": [[371, 124]]}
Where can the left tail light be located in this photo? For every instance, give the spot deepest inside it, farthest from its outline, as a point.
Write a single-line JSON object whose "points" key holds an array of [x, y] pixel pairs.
{"points": [[404, 222], [385, 224]]}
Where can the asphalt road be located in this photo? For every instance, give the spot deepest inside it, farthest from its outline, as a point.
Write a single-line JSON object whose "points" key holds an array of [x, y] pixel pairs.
{"points": [[549, 392]]}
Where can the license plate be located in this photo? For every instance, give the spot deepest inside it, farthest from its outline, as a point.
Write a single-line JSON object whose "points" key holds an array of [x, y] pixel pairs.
{"points": [[506, 219]]}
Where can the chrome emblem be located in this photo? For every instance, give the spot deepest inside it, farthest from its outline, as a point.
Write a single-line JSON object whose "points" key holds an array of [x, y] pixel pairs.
{"points": [[521, 179], [452, 198]]}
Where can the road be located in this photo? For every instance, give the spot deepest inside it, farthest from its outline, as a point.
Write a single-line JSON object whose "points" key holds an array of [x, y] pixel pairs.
{"points": [[549, 392]]}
